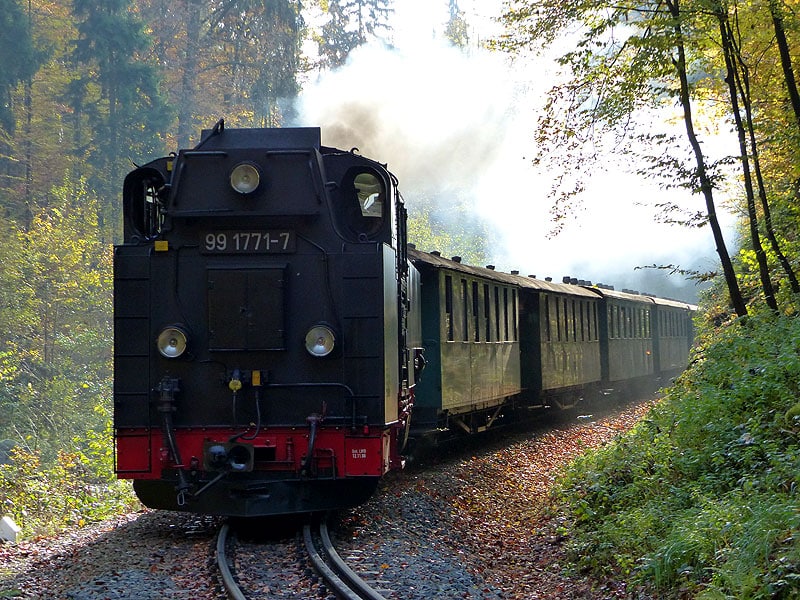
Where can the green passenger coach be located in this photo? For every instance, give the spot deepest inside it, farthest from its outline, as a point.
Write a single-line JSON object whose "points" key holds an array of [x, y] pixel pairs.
{"points": [[471, 344], [561, 348]]}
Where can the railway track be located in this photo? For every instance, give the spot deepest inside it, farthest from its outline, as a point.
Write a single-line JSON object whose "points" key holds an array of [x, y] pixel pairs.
{"points": [[340, 579], [327, 562]]}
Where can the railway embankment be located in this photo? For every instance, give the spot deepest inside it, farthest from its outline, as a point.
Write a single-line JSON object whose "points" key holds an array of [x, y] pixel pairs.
{"points": [[700, 499]]}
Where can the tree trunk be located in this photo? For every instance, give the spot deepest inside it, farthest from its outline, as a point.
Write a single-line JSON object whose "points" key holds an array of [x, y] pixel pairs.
{"points": [[744, 91], [706, 186], [731, 79], [786, 58]]}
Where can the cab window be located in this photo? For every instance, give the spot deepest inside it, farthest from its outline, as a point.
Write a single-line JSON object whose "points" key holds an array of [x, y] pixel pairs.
{"points": [[365, 203], [370, 192]]}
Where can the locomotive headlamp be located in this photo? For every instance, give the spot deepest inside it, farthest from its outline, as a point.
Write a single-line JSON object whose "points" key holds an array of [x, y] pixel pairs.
{"points": [[320, 340], [245, 178], [171, 342]]}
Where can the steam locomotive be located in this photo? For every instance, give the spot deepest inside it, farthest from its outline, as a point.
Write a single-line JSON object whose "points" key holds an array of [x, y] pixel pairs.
{"points": [[271, 327]]}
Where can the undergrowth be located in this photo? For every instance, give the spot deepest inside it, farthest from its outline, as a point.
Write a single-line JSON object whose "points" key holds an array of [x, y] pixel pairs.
{"points": [[700, 499], [76, 489]]}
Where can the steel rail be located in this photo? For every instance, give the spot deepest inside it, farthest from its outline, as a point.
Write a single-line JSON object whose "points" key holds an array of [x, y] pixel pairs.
{"points": [[232, 589], [341, 578]]}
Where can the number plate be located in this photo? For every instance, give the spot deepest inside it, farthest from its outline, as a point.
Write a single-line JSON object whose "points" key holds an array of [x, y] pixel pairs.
{"points": [[240, 242]]}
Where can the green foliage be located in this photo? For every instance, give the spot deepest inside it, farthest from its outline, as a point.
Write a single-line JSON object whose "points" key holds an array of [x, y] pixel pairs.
{"points": [[627, 66], [451, 228], [55, 358], [44, 499], [701, 497], [55, 368]]}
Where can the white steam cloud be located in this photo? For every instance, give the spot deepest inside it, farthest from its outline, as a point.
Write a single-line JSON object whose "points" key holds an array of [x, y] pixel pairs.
{"points": [[433, 115], [445, 121]]}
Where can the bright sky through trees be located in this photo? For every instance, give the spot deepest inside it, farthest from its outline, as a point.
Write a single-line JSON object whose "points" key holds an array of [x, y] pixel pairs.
{"points": [[450, 121]]}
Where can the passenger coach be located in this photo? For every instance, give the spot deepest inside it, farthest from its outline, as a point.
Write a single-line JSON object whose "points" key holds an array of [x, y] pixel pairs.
{"points": [[496, 342]]}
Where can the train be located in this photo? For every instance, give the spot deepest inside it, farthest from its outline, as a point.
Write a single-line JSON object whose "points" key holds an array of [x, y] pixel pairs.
{"points": [[278, 343]]}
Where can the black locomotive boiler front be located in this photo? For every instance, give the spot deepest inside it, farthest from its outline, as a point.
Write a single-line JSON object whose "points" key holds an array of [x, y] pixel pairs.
{"points": [[260, 364]]}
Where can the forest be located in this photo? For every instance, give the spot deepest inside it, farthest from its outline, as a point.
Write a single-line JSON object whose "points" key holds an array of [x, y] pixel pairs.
{"points": [[91, 88]]}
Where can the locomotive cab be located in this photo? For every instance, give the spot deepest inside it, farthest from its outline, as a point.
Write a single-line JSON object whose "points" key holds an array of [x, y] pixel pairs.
{"points": [[261, 309]]}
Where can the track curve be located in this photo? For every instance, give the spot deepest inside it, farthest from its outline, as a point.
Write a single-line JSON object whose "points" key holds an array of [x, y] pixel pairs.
{"points": [[232, 589], [340, 578]]}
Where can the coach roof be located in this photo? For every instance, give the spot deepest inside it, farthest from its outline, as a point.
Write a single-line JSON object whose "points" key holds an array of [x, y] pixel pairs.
{"points": [[424, 260]]}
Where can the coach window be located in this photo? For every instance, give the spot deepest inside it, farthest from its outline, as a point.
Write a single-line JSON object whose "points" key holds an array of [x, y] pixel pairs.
{"points": [[569, 322], [514, 316], [497, 337], [505, 314], [487, 310], [625, 318], [589, 332], [584, 320], [573, 312], [448, 307], [546, 331], [583, 306], [476, 317], [558, 319], [464, 311]]}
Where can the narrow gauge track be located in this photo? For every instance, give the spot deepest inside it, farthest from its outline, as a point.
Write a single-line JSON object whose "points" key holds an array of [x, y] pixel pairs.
{"points": [[339, 577], [342, 581]]}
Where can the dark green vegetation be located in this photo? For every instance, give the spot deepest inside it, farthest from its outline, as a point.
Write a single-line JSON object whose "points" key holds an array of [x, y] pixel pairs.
{"points": [[702, 497]]}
